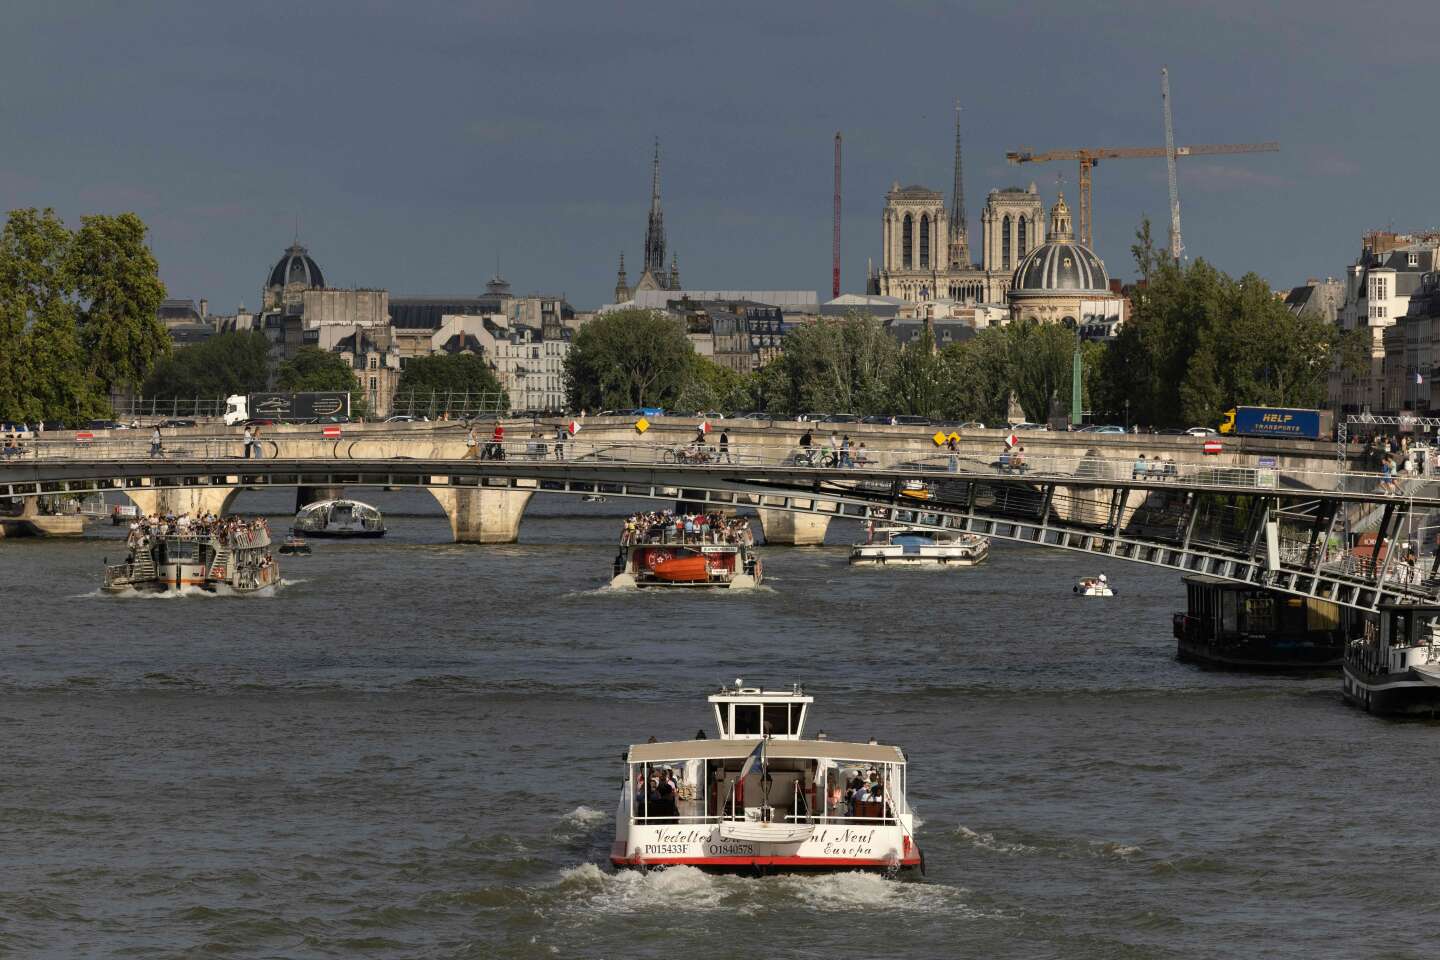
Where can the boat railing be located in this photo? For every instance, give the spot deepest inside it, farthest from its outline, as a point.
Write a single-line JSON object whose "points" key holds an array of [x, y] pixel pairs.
{"points": [[818, 819]]}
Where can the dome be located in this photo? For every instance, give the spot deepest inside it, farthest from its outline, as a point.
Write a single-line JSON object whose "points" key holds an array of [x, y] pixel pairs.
{"points": [[297, 267], [1060, 264]]}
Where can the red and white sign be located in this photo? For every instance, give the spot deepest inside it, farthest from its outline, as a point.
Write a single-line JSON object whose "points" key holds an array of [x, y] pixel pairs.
{"points": [[1011, 440], [704, 426], [331, 431], [574, 427], [84, 436], [1212, 446]]}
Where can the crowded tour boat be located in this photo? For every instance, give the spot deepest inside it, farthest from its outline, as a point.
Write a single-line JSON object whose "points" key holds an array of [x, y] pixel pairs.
{"points": [[339, 518], [1240, 626], [908, 546], [208, 553], [664, 549], [1394, 668], [761, 798], [1094, 587]]}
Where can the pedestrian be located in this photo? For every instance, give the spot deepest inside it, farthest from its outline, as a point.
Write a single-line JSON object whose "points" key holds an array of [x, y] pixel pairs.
{"points": [[845, 451], [472, 443], [249, 441], [155, 448], [724, 447], [560, 443]]}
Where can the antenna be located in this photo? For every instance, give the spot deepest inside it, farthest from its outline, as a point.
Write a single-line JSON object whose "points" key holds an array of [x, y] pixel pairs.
{"points": [[1176, 246], [835, 238]]}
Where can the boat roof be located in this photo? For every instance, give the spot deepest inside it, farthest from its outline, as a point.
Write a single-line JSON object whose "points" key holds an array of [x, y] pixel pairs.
{"points": [[330, 503], [778, 749]]}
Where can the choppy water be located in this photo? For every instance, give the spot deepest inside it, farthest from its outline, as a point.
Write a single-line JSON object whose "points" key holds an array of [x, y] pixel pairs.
{"points": [[411, 751]]}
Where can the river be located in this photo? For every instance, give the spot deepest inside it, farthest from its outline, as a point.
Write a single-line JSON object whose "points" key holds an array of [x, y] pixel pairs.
{"points": [[412, 750]]}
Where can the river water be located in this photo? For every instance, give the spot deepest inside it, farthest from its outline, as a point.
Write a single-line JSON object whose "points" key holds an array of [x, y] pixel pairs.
{"points": [[412, 750]]}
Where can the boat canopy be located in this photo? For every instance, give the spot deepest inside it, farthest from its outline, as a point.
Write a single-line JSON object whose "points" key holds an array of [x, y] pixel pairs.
{"points": [[775, 749]]}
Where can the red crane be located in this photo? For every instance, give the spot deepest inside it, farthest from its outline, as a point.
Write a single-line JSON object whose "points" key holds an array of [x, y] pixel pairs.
{"points": [[835, 239]]}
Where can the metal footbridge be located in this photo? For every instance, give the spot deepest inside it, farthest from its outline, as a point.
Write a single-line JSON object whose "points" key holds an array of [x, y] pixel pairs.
{"points": [[1281, 530]]}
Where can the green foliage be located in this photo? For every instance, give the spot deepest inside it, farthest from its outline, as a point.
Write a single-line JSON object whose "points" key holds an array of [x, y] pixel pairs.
{"points": [[713, 387], [48, 368], [836, 366], [629, 358], [225, 364], [450, 373], [117, 279], [313, 369]]}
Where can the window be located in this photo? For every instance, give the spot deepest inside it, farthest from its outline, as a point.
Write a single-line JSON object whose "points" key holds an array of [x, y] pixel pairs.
{"points": [[907, 239], [1413, 260], [374, 381], [374, 361], [747, 718], [1005, 243], [924, 241], [1020, 246]]}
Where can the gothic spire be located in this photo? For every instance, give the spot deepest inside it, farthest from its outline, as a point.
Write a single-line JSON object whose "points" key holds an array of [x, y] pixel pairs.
{"points": [[959, 232], [655, 229]]}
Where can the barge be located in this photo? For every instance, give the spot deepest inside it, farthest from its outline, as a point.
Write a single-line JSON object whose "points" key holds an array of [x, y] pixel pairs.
{"points": [[1239, 626]]}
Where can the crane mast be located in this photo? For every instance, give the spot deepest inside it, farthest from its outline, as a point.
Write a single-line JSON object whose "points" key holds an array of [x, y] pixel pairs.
{"points": [[1176, 246]]}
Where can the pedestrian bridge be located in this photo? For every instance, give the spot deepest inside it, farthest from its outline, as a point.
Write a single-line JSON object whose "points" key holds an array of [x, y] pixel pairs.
{"points": [[1277, 528]]}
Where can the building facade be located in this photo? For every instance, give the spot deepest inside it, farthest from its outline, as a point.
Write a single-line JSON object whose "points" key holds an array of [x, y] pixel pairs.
{"points": [[1063, 281]]}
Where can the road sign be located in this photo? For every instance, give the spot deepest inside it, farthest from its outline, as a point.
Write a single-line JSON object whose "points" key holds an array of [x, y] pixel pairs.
{"points": [[1011, 440], [642, 425], [331, 431], [939, 438], [704, 426], [1266, 462], [84, 436], [1212, 446], [575, 427], [953, 436]]}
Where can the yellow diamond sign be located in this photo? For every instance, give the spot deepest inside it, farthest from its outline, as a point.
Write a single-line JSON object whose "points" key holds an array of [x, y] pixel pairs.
{"points": [[642, 425], [953, 436], [939, 438]]}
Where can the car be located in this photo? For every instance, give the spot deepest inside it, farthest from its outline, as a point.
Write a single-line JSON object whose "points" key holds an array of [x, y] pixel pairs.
{"points": [[875, 418], [810, 417], [973, 425], [401, 418], [106, 425], [842, 418], [1170, 432], [1109, 428], [753, 415], [1026, 425], [709, 415], [333, 418], [1200, 432], [912, 421], [177, 422]]}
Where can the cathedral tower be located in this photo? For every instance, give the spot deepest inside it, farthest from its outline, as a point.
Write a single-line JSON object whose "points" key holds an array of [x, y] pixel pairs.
{"points": [[959, 232], [655, 228]]}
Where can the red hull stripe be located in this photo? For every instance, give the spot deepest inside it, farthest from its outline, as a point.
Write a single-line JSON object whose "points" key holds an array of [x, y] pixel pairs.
{"points": [[910, 861]]}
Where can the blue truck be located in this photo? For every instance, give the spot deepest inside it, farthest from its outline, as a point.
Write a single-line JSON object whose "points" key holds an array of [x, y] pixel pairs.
{"points": [[1278, 422]]}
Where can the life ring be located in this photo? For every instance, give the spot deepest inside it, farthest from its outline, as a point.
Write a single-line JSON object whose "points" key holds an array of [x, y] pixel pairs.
{"points": [[658, 556]]}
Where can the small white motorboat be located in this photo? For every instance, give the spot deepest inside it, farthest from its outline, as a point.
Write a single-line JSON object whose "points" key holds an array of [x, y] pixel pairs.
{"points": [[1094, 587], [907, 546]]}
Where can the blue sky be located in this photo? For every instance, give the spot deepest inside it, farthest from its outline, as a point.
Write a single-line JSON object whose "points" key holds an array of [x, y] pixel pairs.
{"points": [[416, 142]]}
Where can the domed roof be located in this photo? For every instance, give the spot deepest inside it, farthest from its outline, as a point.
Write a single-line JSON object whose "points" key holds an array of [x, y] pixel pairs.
{"points": [[296, 266], [1060, 264]]}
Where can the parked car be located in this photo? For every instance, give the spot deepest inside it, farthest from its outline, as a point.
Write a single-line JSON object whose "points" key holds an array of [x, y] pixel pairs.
{"points": [[1201, 432]]}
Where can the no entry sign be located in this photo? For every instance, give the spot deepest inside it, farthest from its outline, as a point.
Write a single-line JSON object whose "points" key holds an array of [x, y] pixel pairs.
{"points": [[1212, 446], [332, 431]]}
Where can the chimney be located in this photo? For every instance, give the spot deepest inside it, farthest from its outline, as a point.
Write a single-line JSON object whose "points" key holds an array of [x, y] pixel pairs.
{"points": [[204, 308]]}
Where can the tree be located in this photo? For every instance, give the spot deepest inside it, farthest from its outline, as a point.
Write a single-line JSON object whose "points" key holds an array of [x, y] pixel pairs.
{"points": [[314, 369], [916, 386], [448, 373], [975, 381], [117, 280], [838, 365], [225, 364], [711, 386], [628, 358], [1040, 362]]}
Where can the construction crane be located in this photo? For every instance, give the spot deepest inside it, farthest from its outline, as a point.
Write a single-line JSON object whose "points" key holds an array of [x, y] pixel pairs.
{"points": [[1175, 244], [835, 238], [1090, 156]]}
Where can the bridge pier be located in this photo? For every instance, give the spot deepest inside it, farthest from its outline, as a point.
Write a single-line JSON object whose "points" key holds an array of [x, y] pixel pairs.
{"points": [[30, 522], [191, 500], [308, 495], [786, 528], [478, 515]]}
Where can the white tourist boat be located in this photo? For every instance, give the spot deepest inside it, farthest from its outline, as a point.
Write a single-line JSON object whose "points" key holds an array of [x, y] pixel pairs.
{"points": [[339, 518], [1094, 587], [176, 553], [761, 798], [908, 546]]}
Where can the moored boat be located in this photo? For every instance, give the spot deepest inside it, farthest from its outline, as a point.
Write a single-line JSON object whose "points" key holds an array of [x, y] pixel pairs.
{"points": [[295, 545], [340, 518], [173, 553], [1394, 669], [696, 550], [761, 798], [1244, 627], [908, 546]]}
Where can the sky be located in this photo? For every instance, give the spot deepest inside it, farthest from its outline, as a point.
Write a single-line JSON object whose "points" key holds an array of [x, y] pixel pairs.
{"points": [[417, 144]]}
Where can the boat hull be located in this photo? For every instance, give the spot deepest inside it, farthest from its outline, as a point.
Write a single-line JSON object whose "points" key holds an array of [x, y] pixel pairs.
{"points": [[345, 534], [1405, 694], [830, 847]]}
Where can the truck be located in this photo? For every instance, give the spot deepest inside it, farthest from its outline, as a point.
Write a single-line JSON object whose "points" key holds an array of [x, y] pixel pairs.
{"points": [[1278, 422], [287, 407]]}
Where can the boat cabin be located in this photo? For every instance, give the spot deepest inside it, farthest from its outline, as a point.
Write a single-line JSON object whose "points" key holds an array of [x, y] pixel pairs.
{"points": [[1406, 636], [1225, 609], [749, 713]]}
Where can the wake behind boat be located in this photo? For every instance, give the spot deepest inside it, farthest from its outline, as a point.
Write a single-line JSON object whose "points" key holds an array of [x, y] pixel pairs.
{"points": [[690, 550], [339, 518], [909, 546], [762, 798], [208, 553]]}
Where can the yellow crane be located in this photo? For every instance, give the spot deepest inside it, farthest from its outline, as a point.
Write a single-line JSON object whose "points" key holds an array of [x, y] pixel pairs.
{"points": [[1090, 156]]}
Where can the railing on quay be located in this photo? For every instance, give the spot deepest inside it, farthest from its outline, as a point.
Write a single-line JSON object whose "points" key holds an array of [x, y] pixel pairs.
{"points": [[925, 465]]}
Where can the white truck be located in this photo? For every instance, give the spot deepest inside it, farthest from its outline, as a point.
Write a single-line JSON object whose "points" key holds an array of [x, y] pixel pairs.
{"points": [[328, 405]]}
